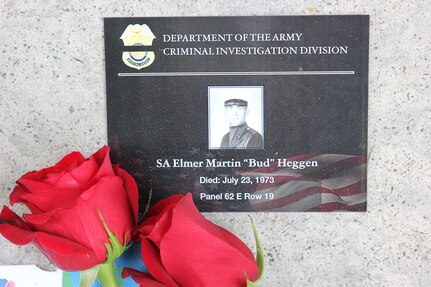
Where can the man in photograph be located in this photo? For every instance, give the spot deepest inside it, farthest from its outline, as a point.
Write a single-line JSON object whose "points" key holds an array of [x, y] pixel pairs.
{"points": [[240, 135]]}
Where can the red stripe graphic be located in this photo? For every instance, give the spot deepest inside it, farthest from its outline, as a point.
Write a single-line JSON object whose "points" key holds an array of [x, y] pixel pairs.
{"points": [[337, 184]]}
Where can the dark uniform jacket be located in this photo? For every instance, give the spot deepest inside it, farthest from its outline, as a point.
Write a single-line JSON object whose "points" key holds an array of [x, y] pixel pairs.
{"points": [[242, 137]]}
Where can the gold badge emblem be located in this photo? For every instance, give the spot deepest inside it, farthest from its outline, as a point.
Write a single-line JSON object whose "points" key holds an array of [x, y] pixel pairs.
{"points": [[138, 35]]}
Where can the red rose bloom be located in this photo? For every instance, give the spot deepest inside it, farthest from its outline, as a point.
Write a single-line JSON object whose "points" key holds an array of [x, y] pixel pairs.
{"points": [[67, 202], [181, 248]]}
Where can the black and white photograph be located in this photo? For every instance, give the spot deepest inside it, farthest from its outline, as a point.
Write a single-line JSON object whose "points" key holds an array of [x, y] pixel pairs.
{"points": [[235, 117]]}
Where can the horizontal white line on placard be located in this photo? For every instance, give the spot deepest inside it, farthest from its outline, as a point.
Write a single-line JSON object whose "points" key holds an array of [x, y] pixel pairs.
{"points": [[269, 73]]}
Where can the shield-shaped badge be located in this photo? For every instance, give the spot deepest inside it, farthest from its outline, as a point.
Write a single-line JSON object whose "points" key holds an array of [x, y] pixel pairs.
{"points": [[138, 35]]}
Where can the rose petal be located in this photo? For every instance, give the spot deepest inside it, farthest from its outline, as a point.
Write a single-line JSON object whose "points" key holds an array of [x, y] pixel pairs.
{"points": [[158, 219], [224, 259], [52, 199], [41, 218], [33, 181], [150, 221], [66, 254], [142, 279], [78, 177], [151, 258], [70, 161], [85, 171], [131, 189], [104, 161], [81, 222], [30, 185], [112, 202], [160, 206], [190, 210], [10, 217], [89, 171], [145, 228], [162, 225], [50, 174]]}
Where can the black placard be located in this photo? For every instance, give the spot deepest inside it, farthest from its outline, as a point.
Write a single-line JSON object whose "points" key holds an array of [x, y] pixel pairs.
{"points": [[247, 113]]}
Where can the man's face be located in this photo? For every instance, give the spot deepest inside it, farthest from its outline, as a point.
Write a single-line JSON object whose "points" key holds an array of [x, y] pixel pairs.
{"points": [[236, 115]]}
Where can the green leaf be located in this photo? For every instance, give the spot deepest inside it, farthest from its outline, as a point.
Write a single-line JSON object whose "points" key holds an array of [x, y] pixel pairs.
{"points": [[259, 256], [147, 207], [259, 250], [87, 277], [114, 247]]}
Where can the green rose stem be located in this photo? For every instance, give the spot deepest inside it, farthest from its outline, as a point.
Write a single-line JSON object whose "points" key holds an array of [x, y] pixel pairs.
{"points": [[87, 277], [114, 248], [106, 275]]}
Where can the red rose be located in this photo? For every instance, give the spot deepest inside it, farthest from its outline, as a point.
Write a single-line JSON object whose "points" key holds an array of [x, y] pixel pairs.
{"points": [[181, 248], [67, 202]]}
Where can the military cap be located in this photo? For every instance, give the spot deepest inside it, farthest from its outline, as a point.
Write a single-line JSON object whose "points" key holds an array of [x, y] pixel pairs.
{"points": [[236, 102]]}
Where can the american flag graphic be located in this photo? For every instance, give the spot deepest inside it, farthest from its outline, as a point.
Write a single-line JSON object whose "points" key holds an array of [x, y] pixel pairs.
{"points": [[337, 184]]}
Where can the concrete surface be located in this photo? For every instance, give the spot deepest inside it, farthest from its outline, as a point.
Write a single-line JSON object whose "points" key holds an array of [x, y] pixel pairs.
{"points": [[52, 101]]}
